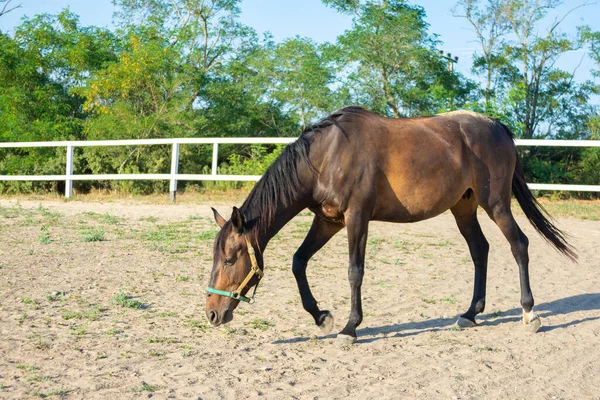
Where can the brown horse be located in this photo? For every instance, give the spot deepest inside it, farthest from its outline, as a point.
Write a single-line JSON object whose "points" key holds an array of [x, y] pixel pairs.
{"points": [[356, 166]]}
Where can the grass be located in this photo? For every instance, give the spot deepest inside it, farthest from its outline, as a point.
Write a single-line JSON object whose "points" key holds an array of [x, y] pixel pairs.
{"points": [[259, 324], [580, 209], [123, 300], [207, 235], [93, 235], [27, 367], [428, 301], [146, 387], [448, 300], [194, 323], [57, 392], [486, 348], [161, 339], [44, 236], [92, 314]]}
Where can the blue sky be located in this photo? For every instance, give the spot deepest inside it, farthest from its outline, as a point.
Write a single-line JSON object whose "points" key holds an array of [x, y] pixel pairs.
{"points": [[310, 18]]}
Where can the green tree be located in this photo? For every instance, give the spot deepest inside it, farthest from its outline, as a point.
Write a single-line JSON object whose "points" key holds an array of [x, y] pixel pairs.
{"points": [[390, 60]]}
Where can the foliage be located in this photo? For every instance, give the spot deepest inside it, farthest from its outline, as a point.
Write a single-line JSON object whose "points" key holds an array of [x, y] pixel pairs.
{"points": [[190, 68]]}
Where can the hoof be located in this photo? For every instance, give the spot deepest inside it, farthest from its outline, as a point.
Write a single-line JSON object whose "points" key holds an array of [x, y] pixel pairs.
{"points": [[463, 323], [345, 340], [534, 325], [327, 324]]}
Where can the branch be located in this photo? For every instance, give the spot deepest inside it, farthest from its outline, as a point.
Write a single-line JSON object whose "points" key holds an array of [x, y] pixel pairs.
{"points": [[5, 9]]}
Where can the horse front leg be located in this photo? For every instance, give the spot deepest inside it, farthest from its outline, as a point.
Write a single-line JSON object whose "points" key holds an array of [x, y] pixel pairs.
{"points": [[319, 234], [357, 225]]}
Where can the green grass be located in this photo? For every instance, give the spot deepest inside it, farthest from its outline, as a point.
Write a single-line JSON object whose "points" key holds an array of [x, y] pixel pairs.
{"points": [[428, 301], [27, 367], [259, 324], [123, 300], [448, 300], [146, 387], [580, 209], [207, 235], [194, 323], [161, 339], [93, 235], [57, 392], [92, 314], [486, 348], [44, 236]]}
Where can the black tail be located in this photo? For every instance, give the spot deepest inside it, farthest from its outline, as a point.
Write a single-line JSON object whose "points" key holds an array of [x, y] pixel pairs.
{"points": [[535, 212]]}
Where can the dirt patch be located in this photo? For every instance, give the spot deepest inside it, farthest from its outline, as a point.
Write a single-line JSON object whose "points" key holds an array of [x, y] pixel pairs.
{"points": [[106, 300]]}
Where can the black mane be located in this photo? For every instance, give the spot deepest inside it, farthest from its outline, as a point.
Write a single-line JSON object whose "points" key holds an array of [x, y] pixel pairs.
{"points": [[281, 185]]}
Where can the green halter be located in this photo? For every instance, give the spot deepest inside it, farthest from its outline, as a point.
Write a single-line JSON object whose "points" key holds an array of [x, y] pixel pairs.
{"points": [[255, 270]]}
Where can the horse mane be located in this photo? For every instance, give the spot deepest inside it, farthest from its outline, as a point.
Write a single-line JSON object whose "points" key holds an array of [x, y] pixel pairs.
{"points": [[281, 183]]}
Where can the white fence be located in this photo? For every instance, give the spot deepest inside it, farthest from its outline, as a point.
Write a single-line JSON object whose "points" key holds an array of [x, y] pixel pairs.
{"points": [[174, 176]]}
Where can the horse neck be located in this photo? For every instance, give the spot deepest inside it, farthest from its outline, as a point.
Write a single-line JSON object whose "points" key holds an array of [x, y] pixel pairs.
{"points": [[284, 214], [262, 234]]}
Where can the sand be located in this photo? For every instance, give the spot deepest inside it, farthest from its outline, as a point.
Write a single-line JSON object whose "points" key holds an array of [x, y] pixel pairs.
{"points": [[65, 333]]}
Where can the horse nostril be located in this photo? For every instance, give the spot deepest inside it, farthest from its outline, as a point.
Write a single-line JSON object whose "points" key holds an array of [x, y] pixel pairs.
{"points": [[212, 316]]}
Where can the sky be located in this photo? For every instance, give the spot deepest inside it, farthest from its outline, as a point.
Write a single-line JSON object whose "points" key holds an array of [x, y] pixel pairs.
{"points": [[310, 18]]}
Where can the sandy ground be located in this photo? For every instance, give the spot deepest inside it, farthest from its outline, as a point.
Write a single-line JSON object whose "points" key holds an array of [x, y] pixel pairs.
{"points": [[65, 332]]}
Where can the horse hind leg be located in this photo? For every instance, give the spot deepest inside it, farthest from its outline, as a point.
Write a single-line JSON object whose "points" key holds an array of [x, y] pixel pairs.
{"points": [[465, 214], [519, 245]]}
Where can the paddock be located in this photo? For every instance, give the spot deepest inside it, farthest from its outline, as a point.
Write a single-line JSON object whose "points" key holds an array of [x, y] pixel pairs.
{"points": [[106, 300]]}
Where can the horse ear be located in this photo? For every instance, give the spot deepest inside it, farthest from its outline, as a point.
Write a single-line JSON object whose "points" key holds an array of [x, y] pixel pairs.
{"points": [[218, 219], [237, 219]]}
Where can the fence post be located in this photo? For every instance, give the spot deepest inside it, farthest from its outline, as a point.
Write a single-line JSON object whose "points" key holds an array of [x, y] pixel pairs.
{"points": [[215, 158], [69, 172], [174, 169]]}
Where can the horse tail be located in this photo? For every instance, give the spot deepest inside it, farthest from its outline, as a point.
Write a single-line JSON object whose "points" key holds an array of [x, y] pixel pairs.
{"points": [[534, 211]]}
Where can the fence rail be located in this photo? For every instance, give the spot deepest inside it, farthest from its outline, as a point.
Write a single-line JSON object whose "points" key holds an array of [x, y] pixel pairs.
{"points": [[174, 176]]}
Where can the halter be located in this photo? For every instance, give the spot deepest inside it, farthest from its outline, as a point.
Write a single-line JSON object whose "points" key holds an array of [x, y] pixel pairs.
{"points": [[255, 270]]}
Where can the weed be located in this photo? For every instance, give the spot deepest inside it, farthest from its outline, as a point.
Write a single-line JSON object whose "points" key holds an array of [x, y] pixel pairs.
{"points": [[113, 332], [428, 301], [44, 236], [155, 314], [182, 278], [159, 339], [146, 387], [207, 235], [78, 330], [194, 323], [37, 378], [101, 356], [56, 295], [486, 348], [33, 303], [95, 235], [27, 367], [448, 300], [92, 314], [121, 299], [260, 324]]}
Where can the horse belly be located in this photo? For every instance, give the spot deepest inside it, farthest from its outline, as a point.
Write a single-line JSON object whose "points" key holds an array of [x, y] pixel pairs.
{"points": [[415, 194]]}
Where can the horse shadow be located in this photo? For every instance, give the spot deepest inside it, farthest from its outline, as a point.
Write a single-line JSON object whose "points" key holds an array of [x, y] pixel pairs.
{"points": [[564, 306]]}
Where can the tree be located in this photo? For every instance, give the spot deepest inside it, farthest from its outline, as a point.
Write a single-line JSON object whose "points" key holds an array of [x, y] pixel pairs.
{"points": [[390, 60], [490, 26], [522, 80], [6, 7], [48, 57]]}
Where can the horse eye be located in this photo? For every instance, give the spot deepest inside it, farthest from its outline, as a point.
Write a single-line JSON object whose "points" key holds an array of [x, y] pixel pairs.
{"points": [[228, 262]]}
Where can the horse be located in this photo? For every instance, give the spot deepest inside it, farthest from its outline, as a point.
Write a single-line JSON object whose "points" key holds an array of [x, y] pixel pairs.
{"points": [[356, 166]]}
